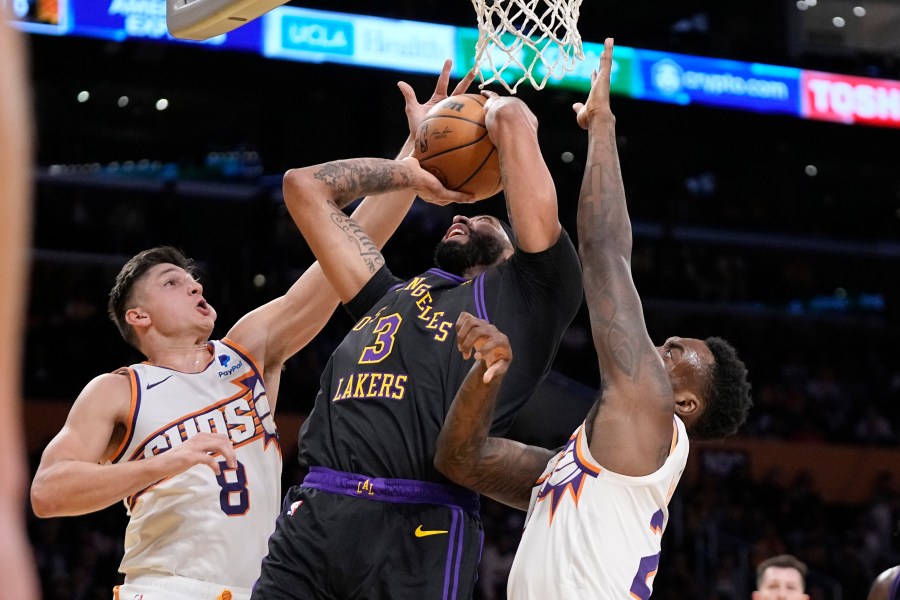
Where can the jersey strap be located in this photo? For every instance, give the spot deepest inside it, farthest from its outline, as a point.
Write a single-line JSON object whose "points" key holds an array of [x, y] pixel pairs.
{"points": [[397, 491]]}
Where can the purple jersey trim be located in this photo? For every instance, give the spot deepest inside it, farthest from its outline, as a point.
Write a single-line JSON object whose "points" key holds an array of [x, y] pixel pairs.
{"points": [[448, 276], [451, 569], [398, 491], [895, 587], [480, 306]]}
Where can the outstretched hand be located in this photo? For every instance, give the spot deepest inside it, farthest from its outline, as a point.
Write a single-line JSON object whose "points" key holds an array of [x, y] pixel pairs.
{"points": [[488, 343], [429, 188], [415, 112], [597, 103]]}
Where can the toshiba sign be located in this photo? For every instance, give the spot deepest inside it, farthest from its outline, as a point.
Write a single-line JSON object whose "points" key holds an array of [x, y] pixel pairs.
{"points": [[832, 97]]}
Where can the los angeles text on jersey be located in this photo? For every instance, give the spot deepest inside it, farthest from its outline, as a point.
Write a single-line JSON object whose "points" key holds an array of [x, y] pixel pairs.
{"points": [[243, 417]]}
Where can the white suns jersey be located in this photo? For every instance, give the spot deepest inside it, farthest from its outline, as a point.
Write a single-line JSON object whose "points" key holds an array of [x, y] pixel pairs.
{"points": [[197, 524], [591, 533]]}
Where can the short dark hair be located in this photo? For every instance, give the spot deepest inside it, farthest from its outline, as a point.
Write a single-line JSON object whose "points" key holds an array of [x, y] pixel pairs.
{"points": [[727, 395], [782, 561], [120, 296]]}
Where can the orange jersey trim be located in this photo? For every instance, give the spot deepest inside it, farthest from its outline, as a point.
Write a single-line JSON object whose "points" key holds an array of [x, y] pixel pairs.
{"points": [[132, 416], [585, 461], [235, 346]]}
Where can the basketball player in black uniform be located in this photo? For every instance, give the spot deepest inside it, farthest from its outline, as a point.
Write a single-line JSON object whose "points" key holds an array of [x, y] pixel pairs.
{"points": [[374, 519]]}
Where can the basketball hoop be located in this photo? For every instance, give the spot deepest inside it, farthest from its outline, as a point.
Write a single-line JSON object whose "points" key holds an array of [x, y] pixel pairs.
{"points": [[202, 19], [531, 40]]}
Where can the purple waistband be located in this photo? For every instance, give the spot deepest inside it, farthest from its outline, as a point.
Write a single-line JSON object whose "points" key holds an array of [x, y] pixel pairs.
{"points": [[399, 491]]}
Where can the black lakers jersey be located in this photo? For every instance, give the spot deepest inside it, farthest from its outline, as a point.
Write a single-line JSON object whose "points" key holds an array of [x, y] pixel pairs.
{"points": [[387, 388]]}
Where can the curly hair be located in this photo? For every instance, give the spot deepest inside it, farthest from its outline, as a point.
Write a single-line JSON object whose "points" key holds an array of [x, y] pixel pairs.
{"points": [[121, 294], [727, 395]]}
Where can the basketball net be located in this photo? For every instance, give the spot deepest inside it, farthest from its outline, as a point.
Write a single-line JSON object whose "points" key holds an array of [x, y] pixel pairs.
{"points": [[531, 39]]}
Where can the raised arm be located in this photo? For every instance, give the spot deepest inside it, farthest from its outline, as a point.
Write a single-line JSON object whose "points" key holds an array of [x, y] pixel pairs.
{"points": [[72, 478], [315, 197], [527, 185], [632, 428], [276, 331], [502, 469]]}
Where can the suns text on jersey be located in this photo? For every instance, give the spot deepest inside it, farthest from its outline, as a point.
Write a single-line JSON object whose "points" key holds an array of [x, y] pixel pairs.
{"points": [[243, 419]]}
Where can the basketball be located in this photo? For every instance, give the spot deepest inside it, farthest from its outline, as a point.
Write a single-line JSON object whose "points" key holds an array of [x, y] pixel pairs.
{"points": [[452, 144]]}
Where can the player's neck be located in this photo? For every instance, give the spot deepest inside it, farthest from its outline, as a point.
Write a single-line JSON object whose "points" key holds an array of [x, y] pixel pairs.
{"points": [[187, 358], [476, 270]]}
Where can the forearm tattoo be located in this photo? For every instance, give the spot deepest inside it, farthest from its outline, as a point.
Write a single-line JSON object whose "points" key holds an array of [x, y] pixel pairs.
{"points": [[368, 251], [351, 179], [362, 176]]}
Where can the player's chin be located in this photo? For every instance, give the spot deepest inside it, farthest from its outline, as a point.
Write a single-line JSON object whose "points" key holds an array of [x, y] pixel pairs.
{"points": [[210, 317]]}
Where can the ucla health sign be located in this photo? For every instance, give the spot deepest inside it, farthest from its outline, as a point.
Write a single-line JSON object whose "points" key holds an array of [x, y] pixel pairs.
{"points": [[683, 79], [831, 97], [319, 36]]}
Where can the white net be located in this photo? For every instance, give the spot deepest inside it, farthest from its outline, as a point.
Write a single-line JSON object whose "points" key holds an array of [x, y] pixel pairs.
{"points": [[526, 40]]}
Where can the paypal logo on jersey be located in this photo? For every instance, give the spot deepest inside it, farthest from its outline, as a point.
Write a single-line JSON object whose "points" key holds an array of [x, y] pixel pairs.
{"points": [[226, 371]]}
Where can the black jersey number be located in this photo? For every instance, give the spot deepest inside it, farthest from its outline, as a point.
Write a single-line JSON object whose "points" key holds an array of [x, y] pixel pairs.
{"points": [[386, 330]]}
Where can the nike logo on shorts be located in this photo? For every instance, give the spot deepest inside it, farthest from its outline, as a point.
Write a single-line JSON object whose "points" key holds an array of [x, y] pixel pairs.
{"points": [[153, 385], [426, 532]]}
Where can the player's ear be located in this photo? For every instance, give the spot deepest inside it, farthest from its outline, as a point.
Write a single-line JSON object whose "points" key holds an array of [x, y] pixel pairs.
{"points": [[686, 403], [137, 317]]}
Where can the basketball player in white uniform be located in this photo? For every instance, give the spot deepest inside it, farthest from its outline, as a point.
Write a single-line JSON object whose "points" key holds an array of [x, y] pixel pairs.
{"points": [[597, 509], [187, 439]]}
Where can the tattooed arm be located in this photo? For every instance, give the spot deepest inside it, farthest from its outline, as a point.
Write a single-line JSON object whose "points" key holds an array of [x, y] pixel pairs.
{"points": [[315, 197], [502, 469], [631, 430], [278, 329]]}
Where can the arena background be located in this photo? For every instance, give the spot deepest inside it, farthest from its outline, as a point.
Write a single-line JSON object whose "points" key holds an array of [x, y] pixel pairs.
{"points": [[781, 234]]}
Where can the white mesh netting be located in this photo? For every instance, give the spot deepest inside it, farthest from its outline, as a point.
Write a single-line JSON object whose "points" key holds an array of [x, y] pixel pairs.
{"points": [[526, 40]]}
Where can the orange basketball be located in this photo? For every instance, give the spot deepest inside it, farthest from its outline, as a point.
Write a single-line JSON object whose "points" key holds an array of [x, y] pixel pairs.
{"points": [[453, 145]]}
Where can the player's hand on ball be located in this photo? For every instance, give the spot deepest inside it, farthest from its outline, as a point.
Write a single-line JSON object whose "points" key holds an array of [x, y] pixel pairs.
{"points": [[430, 189], [498, 109], [415, 112]]}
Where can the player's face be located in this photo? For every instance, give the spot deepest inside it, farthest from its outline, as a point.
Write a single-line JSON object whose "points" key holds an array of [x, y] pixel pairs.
{"points": [[174, 301], [781, 583], [472, 241], [688, 362]]}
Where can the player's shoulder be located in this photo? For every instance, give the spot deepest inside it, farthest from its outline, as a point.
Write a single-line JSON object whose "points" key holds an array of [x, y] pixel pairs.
{"points": [[109, 394], [109, 385], [885, 580]]}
